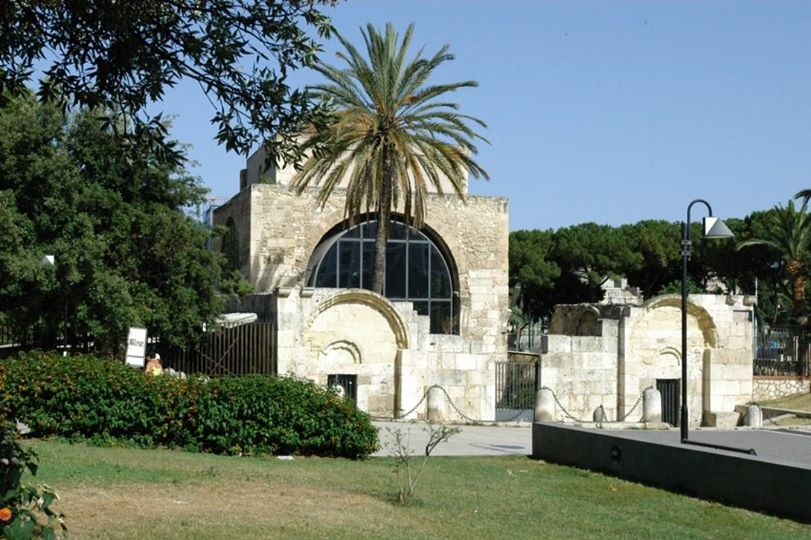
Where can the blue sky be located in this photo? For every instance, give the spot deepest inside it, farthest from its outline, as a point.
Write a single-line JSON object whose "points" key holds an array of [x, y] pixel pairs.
{"points": [[610, 112]]}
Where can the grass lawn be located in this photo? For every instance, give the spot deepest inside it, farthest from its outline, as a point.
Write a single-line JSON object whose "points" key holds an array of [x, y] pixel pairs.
{"points": [[797, 402], [126, 493]]}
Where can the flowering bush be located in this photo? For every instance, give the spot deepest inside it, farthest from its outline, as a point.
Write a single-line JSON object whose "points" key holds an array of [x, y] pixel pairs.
{"points": [[25, 510]]}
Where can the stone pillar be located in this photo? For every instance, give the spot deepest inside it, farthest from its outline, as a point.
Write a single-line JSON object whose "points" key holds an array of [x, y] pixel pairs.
{"points": [[651, 405], [544, 406], [754, 416], [436, 404]]}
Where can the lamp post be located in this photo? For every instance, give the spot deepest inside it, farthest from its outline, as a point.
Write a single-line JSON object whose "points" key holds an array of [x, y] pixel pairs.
{"points": [[713, 228], [50, 260]]}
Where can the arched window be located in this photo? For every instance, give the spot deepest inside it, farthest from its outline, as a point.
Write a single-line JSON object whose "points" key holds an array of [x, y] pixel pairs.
{"points": [[230, 245], [417, 270]]}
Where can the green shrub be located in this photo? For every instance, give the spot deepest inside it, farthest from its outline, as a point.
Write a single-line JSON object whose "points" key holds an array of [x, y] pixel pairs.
{"points": [[25, 510], [84, 397]]}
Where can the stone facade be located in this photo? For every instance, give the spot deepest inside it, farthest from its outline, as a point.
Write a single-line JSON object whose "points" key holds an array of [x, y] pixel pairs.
{"points": [[386, 345], [609, 354], [766, 388]]}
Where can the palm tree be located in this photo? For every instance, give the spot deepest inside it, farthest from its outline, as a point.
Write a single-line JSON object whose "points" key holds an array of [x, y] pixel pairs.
{"points": [[788, 231], [391, 135]]}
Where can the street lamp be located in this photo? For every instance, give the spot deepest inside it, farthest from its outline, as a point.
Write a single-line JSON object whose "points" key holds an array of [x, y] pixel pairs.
{"points": [[713, 228]]}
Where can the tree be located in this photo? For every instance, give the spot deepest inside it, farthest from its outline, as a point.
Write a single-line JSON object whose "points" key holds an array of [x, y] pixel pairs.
{"points": [[121, 56], [787, 230], [390, 135], [125, 253], [531, 271]]}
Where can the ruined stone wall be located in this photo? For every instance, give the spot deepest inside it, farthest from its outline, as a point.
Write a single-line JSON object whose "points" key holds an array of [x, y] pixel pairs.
{"points": [[238, 209], [766, 388], [387, 345], [635, 346], [582, 372], [285, 230]]}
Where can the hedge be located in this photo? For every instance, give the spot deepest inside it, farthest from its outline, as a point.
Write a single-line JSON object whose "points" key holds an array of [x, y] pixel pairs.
{"points": [[106, 402]]}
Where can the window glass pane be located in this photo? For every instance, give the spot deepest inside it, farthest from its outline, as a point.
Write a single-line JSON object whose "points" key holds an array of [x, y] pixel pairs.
{"points": [[396, 270], [368, 264], [327, 275], [397, 231], [440, 280], [348, 264], [441, 321], [422, 308], [354, 232], [370, 230], [417, 270]]}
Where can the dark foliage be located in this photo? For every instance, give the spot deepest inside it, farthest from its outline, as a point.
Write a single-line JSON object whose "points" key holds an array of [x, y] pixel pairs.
{"points": [[105, 402], [122, 56]]}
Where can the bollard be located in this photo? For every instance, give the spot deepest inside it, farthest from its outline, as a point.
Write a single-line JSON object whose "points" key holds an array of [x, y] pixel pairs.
{"points": [[651, 405], [754, 416], [544, 406], [436, 404]]}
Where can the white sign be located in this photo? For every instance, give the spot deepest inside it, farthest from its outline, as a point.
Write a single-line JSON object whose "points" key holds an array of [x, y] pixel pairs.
{"points": [[136, 347]]}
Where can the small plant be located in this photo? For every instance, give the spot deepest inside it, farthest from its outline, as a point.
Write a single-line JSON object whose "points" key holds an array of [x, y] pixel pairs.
{"points": [[25, 510], [407, 473]]}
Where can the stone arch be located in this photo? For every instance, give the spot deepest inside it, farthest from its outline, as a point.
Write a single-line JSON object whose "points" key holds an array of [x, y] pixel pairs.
{"points": [[342, 349], [588, 324], [653, 349], [372, 300], [668, 357], [705, 322]]}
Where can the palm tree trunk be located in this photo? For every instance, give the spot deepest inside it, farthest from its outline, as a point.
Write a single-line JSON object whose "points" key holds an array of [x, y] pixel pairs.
{"points": [[798, 292], [383, 219]]}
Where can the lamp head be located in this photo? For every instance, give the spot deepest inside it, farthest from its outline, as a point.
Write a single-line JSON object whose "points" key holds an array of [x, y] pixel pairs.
{"points": [[715, 228]]}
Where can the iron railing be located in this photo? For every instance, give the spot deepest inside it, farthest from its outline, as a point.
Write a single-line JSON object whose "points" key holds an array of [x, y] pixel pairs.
{"points": [[782, 351], [248, 349]]}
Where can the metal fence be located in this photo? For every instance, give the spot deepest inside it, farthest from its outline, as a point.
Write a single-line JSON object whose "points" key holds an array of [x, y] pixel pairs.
{"points": [[241, 350], [516, 384], [781, 351], [247, 349]]}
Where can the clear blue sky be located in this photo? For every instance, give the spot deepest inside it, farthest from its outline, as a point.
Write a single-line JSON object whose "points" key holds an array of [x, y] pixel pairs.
{"points": [[610, 112]]}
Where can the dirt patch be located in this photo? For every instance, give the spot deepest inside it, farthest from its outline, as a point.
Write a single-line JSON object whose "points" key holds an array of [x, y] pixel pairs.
{"points": [[95, 512]]}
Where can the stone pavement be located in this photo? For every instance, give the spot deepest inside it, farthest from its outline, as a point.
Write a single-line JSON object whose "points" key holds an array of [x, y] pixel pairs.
{"points": [[490, 440]]}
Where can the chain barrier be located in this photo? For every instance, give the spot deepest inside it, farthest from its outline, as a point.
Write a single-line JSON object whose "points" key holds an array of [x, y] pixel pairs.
{"points": [[638, 400], [563, 409], [453, 406], [602, 420]]}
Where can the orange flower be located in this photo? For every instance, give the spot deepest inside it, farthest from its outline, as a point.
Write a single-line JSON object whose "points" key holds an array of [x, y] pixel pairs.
{"points": [[5, 514]]}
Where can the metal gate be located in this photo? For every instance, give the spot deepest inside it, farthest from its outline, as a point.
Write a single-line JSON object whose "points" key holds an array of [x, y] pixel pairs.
{"points": [[669, 389], [349, 383], [516, 384]]}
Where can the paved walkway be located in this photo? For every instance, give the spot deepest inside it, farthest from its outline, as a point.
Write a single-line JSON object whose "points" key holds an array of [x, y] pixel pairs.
{"points": [[515, 439]]}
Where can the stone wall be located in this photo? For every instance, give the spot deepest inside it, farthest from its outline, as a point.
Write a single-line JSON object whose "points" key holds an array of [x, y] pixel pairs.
{"points": [[766, 388], [611, 360], [395, 367]]}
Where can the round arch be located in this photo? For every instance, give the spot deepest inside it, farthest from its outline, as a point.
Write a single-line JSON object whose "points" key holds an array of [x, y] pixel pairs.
{"points": [[709, 331], [372, 300], [419, 267]]}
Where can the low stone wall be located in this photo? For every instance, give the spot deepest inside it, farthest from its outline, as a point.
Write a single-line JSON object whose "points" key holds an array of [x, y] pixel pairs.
{"points": [[766, 388]]}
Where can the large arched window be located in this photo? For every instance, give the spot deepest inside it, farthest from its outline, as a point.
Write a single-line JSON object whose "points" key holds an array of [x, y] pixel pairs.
{"points": [[417, 270]]}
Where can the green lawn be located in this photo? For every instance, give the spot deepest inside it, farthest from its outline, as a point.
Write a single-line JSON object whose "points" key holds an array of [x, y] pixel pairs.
{"points": [[126, 493], [797, 402]]}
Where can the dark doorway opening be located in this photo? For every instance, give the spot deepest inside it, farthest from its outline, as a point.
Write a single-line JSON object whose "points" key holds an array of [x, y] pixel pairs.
{"points": [[349, 383], [669, 389]]}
